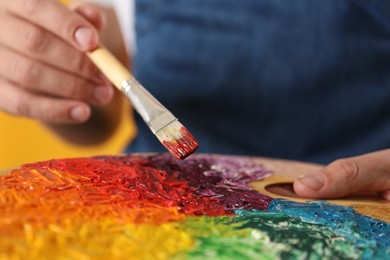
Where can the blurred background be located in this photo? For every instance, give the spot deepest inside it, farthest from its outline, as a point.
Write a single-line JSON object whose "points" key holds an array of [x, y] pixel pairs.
{"points": [[23, 141]]}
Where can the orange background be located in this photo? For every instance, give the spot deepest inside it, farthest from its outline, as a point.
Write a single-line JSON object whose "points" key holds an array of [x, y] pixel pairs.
{"points": [[24, 140]]}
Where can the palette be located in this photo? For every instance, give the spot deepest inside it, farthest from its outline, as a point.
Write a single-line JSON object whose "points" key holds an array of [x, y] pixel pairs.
{"points": [[153, 207]]}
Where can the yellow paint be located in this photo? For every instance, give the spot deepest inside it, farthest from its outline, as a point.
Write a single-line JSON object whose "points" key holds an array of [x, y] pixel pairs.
{"points": [[23, 140], [106, 239], [43, 219]]}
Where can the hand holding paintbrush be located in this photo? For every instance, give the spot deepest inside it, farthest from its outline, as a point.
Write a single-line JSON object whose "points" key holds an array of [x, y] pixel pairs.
{"points": [[171, 133], [44, 73]]}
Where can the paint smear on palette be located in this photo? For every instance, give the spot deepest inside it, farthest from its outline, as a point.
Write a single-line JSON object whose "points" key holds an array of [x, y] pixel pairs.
{"points": [[153, 207]]}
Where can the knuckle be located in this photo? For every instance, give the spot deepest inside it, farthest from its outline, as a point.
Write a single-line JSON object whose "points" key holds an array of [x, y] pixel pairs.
{"points": [[79, 62], [26, 73], [63, 20], [348, 167], [18, 106], [49, 113], [35, 39], [74, 89]]}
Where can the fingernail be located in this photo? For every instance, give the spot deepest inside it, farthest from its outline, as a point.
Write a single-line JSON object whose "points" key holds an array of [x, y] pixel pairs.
{"points": [[79, 113], [103, 94], [83, 37], [313, 182]]}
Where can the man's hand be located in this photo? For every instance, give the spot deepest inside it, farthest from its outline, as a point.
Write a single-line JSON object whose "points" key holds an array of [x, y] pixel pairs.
{"points": [[44, 72], [366, 173]]}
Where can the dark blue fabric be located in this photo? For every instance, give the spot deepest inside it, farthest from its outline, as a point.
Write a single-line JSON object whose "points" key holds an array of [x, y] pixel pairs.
{"points": [[296, 79]]}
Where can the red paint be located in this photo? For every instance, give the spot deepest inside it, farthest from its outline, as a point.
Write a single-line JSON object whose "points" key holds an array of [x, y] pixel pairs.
{"points": [[183, 147], [134, 182], [211, 186]]}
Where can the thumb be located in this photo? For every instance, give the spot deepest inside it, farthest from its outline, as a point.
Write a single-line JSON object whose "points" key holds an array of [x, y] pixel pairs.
{"points": [[93, 14], [366, 173]]}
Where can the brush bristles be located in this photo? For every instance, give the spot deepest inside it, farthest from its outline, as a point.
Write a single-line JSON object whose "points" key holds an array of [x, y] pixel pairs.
{"points": [[178, 140]]}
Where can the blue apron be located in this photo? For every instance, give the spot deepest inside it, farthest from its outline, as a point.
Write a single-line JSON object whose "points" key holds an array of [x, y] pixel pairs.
{"points": [[295, 79]]}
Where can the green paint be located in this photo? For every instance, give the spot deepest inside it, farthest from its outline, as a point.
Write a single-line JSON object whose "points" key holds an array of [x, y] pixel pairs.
{"points": [[297, 233], [225, 238], [302, 240]]}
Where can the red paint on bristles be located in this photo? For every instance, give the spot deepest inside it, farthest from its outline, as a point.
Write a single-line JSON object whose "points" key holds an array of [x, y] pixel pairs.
{"points": [[178, 140]]}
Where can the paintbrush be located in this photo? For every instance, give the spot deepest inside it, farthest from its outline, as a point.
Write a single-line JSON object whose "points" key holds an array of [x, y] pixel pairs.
{"points": [[171, 133]]}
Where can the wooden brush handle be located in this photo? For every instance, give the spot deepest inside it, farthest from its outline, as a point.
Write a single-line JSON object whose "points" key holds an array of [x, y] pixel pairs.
{"points": [[110, 66], [148, 107]]}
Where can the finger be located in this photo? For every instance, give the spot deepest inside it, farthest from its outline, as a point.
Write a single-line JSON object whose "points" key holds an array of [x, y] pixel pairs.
{"points": [[37, 43], [386, 195], [93, 14], [45, 79], [17, 101], [366, 173], [57, 18]]}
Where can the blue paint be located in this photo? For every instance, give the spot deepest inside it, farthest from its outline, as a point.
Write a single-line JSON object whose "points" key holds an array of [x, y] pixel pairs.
{"points": [[368, 235]]}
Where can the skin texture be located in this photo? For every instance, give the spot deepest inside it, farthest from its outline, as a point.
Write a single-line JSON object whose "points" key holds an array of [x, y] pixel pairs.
{"points": [[104, 119], [365, 173], [45, 75], [37, 81]]}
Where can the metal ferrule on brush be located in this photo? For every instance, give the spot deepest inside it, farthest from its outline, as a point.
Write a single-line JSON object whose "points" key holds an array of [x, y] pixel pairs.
{"points": [[155, 115]]}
